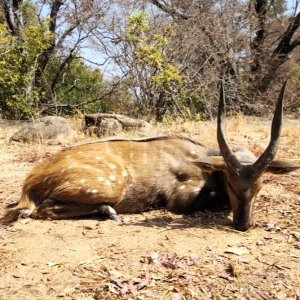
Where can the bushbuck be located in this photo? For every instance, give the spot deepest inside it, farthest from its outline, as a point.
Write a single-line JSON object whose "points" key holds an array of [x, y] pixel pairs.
{"points": [[131, 176]]}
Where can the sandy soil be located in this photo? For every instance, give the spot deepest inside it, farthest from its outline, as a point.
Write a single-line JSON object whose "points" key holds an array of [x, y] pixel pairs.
{"points": [[157, 255]]}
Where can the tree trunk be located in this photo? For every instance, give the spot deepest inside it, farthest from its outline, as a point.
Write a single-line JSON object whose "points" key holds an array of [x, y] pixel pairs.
{"points": [[48, 53], [265, 65], [14, 16]]}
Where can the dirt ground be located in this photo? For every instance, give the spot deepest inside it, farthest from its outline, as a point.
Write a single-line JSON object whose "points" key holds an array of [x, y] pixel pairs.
{"points": [[157, 255]]}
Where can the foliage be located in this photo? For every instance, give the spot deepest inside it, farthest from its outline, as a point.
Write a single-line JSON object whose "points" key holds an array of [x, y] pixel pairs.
{"points": [[79, 87], [171, 56], [30, 13], [150, 50], [295, 76], [17, 68], [159, 84], [155, 77]]}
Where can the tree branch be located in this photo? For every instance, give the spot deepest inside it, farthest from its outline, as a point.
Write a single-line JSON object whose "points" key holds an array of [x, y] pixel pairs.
{"points": [[47, 107], [46, 55], [171, 11], [285, 45], [295, 43]]}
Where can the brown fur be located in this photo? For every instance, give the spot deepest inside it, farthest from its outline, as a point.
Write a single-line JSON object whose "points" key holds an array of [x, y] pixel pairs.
{"points": [[104, 173]]}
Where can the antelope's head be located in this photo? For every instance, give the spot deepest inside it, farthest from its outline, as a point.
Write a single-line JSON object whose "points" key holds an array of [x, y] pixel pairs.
{"points": [[243, 177]]}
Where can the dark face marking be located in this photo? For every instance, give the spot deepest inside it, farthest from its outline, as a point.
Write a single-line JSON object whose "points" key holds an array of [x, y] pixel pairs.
{"points": [[242, 190]]}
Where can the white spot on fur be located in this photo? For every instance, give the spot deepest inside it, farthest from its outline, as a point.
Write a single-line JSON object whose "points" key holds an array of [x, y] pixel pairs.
{"points": [[112, 166], [124, 173], [182, 187], [107, 149], [99, 158], [107, 182], [174, 181], [101, 179], [82, 180], [196, 190], [193, 152], [25, 213], [112, 178], [94, 191], [190, 180]]}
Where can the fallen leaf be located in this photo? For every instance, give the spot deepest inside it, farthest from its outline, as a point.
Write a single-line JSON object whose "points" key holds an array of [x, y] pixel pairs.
{"points": [[296, 234], [125, 221], [176, 296], [114, 274], [297, 245], [24, 221], [52, 264], [237, 250], [146, 280], [88, 227], [227, 277], [272, 227], [168, 264]]}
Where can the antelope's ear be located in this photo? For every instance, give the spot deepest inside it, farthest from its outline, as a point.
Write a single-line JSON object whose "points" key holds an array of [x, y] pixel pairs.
{"points": [[283, 166], [210, 163]]}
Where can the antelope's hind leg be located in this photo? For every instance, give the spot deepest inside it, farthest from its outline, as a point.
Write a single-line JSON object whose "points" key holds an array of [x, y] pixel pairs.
{"points": [[55, 210]]}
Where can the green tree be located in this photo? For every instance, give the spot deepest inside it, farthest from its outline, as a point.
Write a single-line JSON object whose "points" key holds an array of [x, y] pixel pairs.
{"points": [[156, 80], [41, 62], [79, 88], [17, 69]]}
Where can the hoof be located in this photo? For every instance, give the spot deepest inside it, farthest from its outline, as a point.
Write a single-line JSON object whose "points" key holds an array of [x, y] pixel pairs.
{"points": [[115, 218]]}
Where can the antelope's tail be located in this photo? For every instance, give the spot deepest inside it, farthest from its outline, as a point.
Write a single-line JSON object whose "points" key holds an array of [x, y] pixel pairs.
{"points": [[22, 210]]}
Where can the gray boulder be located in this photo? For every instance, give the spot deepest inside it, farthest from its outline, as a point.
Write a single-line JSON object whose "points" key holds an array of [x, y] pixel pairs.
{"points": [[103, 124], [51, 129]]}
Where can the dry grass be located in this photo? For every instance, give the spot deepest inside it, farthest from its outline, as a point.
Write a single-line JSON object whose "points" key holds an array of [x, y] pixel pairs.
{"points": [[241, 130]]}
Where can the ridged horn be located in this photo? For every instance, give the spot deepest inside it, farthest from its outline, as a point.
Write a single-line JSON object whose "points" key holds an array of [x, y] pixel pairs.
{"points": [[230, 159], [267, 157]]}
